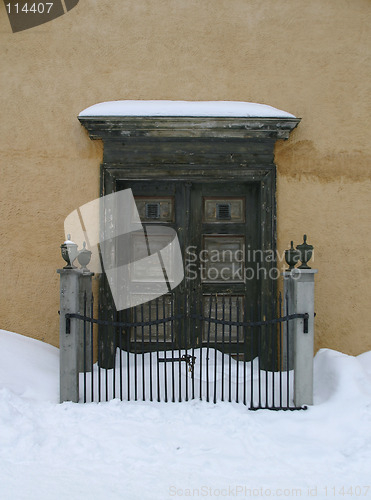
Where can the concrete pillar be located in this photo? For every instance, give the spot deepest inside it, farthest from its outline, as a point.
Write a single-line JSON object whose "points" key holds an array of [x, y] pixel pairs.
{"points": [[85, 287], [299, 289], [69, 342], [288, 308]]}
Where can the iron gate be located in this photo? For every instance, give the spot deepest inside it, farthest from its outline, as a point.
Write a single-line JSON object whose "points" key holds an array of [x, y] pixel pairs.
{"points": [[229, 353]]}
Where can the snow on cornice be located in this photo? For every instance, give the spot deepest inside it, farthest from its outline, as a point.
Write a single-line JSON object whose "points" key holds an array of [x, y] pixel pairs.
{"points": [[185, 109]]}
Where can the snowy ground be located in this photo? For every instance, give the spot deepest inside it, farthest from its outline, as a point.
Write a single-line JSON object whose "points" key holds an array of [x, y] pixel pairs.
{"points": [[155, 451]]}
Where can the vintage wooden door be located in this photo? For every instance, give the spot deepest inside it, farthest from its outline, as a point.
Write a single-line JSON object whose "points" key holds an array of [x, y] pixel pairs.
{"points": [[217, 175]]}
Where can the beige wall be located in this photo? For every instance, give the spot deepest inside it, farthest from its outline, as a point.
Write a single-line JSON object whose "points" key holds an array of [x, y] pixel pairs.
{"points": [[309, 58]]}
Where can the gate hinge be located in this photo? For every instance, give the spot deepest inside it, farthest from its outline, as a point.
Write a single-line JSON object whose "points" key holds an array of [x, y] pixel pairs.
{"points": [[306, 317]]}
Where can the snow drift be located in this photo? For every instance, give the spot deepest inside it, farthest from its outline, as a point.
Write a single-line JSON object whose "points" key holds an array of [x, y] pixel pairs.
{"points": [[119, 450]]}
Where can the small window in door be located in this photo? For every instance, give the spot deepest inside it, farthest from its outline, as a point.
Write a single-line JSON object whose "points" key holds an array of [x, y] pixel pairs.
{"points": [[224, 209], [155, 209], [152, 210]]}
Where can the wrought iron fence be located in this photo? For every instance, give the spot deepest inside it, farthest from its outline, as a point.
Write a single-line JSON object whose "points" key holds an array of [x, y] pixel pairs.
{"points": [[175, 350]]}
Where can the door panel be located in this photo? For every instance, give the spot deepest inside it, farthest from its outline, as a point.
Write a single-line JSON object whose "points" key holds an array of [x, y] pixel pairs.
{"points": [[158, 203], [224, 228], [224, 258]]}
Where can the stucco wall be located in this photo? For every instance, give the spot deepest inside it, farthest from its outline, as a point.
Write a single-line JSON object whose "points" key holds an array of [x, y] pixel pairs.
{"points": [[309, 58]]}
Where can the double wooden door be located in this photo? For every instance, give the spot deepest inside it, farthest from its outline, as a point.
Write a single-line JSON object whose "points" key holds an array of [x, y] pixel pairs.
{"points": [[218, 228]]}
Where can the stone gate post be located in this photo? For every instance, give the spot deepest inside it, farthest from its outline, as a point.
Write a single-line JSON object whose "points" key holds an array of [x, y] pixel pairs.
{"points": [[69, 337], [299, 297], [75, 292]]}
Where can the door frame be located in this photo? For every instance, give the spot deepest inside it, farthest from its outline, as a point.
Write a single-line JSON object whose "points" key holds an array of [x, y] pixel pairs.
{"points": [[265, 177]]}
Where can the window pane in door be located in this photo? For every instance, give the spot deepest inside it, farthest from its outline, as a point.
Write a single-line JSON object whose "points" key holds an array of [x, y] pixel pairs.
{"points": [[222, 258], [224, 209], [155, 208]]}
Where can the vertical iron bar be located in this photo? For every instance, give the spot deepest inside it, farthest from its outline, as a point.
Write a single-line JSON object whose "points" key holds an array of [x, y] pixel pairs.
{"points": [[260, 329], [114, 366], [288, 355], [92, 346], [223, 344], [128, 342], [84, 341], [266, 348], [150, 349], [230, 352], [165, 369], [185, 315], [135, 356], [172, 349], [120, 354], [274, 340], [208, 350], [237, 347], [252, 317], [280, 345], [179, 340], [193, 340], [157, 354], [99, 363], [143, 357], [202, 326], [216, 345], [106, 369], [244, 349]]}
